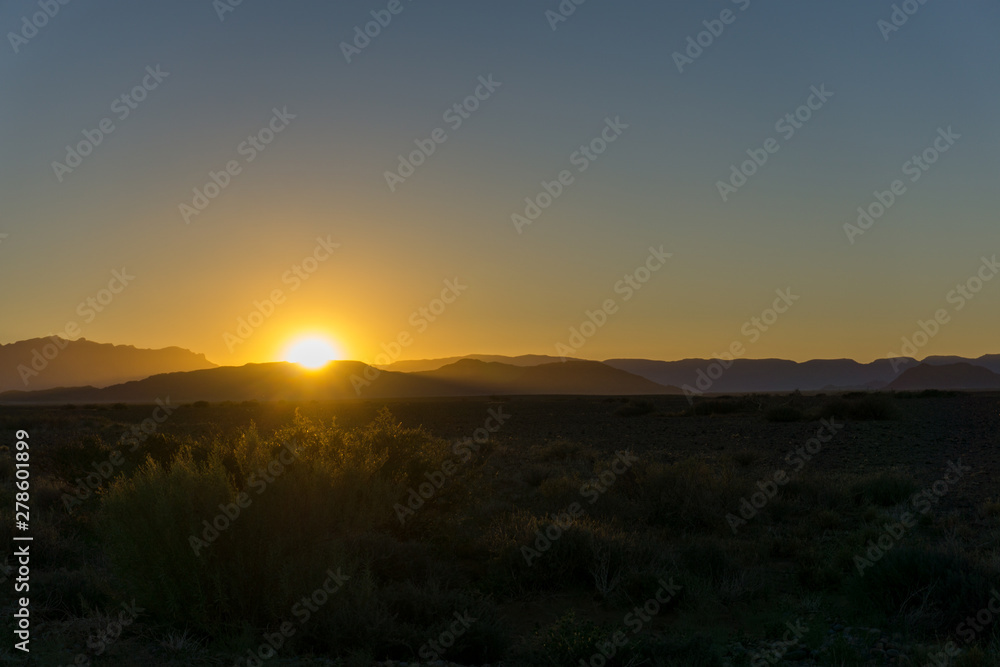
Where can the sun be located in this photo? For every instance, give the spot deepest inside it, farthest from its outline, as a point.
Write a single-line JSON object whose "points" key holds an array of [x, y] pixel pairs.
{"points": [[313, 352]]}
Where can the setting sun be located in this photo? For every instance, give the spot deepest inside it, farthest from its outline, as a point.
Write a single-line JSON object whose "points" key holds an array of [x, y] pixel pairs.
{"points": [[313, 352]]}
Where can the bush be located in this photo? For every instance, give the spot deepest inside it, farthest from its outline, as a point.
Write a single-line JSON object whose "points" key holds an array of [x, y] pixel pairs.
{"points": [[524, 559], [159, 532], [570, 640], [689, 494]]}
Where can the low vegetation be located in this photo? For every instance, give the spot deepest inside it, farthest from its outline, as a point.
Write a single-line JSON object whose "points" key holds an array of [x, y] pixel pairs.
{"points": [[374, 540]]}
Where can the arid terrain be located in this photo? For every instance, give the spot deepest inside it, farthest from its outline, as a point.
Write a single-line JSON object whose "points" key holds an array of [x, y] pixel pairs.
{"points": [[850, 529]]}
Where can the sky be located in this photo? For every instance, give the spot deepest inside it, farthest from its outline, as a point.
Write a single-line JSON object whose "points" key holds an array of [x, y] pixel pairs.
{"points": [[653, 237]]}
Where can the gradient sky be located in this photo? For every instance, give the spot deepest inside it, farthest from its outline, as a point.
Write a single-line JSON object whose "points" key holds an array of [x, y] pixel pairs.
{"points": [[323, 175]]}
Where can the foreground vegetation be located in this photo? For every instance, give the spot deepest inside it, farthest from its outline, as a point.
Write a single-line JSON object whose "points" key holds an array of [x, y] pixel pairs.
{"points": [[282, 534]]}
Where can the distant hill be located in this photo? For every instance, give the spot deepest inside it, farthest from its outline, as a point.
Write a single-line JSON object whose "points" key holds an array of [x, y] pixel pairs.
{"points": [[420, 365], [43, 363], [990, 361], [339, 380], [569, 377], [744, 376], [947, 376], [768, 375], [59, 370]]}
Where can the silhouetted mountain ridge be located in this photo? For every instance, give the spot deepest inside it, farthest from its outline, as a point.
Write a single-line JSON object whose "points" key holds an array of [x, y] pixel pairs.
{"points": [[45, 363], [569, 377], [353, 379], [946, 376]]}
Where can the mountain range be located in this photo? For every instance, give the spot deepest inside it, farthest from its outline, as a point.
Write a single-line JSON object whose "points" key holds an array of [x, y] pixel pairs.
{"points": [[353, 379], [44, 363], [81, 371]]}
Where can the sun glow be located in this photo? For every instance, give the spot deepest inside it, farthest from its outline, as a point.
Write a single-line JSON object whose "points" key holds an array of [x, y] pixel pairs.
{"points": [[313, 352]]}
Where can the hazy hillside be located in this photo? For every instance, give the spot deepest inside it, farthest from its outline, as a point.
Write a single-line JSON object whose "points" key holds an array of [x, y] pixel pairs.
{"points": [[570, 377], [948, 376], [421, 365], [348, 379], [42, 363], [990, 361], [750, 375], [745, 375]]}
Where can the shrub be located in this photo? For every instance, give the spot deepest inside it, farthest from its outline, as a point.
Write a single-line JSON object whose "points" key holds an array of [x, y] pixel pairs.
{"points": [[157, 525], [690, 494], [525, 559], [569, 640]]}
